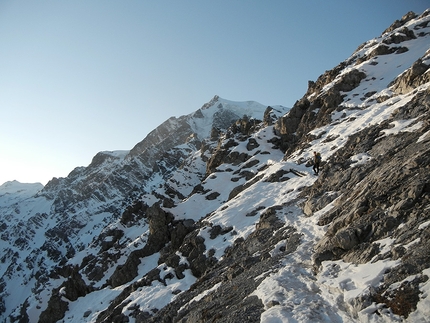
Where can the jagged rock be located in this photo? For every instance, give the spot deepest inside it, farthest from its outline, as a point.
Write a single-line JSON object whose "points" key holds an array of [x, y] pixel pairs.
{"points": [[71, 289], [288, 124], [278, 176], [55, 310], [251, 163], [112, 238], [308, 208], [125, 273], [380, 50], [219, 156], [269, 118], [252, 144], [317, 203], [413, 78], [398, 23], [215, 133], [158, 228], [345, 239], [114, 311], [75, 287], [349, 81], [212, 196], [194, 248], [238, 273], [402, 300], [247, 174], [245, 126], [307, 114], [361, 253], [179, 231], [324, 79], [235, 191], [199, 189], [273, 303], [217, 230], [269, 219], [402, 35], [133, 213], [159, 235]]}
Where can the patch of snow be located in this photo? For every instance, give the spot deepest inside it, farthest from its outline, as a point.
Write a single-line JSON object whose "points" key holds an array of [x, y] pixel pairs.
{"points": [[360, 159], [402, 126], [347, 281], [424, 225], [205, 293], [423, 137]]}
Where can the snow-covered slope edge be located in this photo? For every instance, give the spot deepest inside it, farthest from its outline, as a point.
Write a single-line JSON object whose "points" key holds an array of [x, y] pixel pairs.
{"points": [[242, 231]]}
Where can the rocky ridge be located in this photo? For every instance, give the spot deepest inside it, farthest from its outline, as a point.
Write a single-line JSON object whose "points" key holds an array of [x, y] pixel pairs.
{"points": [[54, 224], [230, 225]]}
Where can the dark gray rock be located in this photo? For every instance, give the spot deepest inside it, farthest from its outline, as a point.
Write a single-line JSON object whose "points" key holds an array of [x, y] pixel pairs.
{"points": [[159, 235], [239, 273]]}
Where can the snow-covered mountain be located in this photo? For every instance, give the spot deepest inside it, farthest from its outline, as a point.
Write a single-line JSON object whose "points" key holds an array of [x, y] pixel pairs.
{"points": [[217, 216], [14, 192]]}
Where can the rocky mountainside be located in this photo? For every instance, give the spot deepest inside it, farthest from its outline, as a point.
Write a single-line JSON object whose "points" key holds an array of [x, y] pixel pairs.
{"points": [[218, 217]]}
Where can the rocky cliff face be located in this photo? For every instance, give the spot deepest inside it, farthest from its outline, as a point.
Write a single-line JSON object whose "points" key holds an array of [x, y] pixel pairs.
{"points": [[218, 217], [43, 228]]}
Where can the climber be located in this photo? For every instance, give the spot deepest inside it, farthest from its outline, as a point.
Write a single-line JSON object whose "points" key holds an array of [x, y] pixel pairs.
{"points": [[317, 161]]}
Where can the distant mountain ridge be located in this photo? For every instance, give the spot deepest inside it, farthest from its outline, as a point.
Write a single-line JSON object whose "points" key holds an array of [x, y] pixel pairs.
{"points": [[91, 197], [13, 192], [151, 154], [217, 216]]}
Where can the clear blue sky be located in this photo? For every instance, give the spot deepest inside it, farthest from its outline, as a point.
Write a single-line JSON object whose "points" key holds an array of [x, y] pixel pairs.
{"points": [[78, 77]]}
